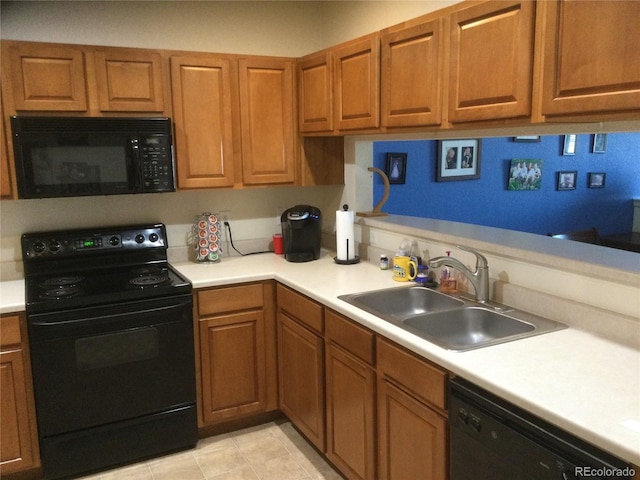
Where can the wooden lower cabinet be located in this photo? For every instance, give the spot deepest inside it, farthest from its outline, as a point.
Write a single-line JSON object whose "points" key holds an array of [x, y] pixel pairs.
{"points": [[236, 330], [301, 376], [382, 407], [18, 437], [412, 415], [350, 390], [412, 438]]}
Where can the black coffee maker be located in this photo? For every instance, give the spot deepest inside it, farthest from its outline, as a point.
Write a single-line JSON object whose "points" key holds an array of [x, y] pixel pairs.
{"points": [[301, 233]]}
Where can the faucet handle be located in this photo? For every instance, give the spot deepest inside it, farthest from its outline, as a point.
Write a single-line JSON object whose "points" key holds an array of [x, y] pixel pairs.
{"points": [[481, 260]]}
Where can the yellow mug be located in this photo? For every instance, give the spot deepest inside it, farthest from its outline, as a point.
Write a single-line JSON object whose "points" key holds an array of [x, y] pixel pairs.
{"points": [[404, 269]]}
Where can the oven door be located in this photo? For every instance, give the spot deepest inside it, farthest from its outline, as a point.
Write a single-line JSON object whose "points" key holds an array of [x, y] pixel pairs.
{"points": [[100, 365]]}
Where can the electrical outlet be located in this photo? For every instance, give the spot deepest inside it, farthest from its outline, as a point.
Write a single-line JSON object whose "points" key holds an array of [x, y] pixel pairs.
{"points": [[225, 216]]}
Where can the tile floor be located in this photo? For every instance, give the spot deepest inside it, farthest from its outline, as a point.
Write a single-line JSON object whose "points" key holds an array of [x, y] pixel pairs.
{"points": [[272, 451]]}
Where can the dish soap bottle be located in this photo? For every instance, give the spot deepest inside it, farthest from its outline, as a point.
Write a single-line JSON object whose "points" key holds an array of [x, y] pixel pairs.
{"points": [[448, 282]]}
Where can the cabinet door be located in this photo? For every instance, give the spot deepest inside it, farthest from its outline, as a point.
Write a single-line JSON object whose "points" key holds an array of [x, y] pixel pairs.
{"points": [[590, 61], [357, 83], [491, 65], [48, 77], [202, 110], [350, 414], [16, 451], [411, 73], [233, 365], [267, 120], [5, 170], [301, 378], [412, 438], [129, 81], [315, 93]]}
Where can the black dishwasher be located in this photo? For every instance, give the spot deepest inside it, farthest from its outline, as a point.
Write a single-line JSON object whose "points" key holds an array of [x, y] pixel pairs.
{"points": [[491, 439]]}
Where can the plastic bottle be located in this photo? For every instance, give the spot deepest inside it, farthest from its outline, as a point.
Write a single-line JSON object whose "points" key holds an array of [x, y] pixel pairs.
{"points": [[384, 262], [414, 253], [448, 283]]}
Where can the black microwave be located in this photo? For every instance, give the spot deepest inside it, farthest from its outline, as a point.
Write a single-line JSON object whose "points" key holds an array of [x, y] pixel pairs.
{"points": [[78, 156]]}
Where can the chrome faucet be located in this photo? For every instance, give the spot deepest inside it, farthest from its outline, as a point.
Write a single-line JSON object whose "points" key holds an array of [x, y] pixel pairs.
{"points": [[479, 279]]}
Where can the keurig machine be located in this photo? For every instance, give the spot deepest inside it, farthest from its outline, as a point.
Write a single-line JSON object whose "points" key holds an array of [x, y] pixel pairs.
{"points": [[301, 232]]}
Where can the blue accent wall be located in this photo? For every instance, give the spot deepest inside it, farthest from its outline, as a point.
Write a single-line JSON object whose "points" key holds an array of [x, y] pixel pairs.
{"points": [[486, 201]]}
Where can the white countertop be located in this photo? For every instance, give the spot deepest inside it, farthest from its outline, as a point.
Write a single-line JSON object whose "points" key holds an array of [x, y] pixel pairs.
{"points": [[585, 384]]}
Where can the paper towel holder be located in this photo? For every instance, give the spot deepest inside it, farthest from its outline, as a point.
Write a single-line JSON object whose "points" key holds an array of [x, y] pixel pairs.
{"points": [[376, 210], [347, 261]]}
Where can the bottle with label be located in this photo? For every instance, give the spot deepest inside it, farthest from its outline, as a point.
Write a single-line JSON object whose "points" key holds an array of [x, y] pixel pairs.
{"points": [[384, 262], [414, 253]]}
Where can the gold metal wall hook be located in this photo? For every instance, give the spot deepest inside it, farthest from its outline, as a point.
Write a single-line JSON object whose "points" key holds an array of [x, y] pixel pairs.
{"points": [[376, 210]]}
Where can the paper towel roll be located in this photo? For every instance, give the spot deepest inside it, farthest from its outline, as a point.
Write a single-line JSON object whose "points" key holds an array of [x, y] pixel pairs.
{"points": [[345, 237]]}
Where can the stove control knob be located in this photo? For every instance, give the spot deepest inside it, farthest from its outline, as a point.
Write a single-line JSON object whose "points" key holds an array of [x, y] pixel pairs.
{"points": [[114, 241], [139, 238], [153, 237], [38, 247], [54, 246]]}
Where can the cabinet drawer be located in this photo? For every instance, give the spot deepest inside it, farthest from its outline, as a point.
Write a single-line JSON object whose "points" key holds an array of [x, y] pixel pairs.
{"points": [[228, 299], [353, 338], [303, 309], [10, 331], [423, 379]]}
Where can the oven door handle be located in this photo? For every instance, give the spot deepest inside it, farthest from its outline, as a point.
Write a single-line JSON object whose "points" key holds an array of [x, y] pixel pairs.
{"points": [[99, 317]]}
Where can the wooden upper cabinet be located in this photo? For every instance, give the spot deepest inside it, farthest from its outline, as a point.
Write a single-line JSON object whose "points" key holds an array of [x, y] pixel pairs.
{"points": [[357, 83], [591, 61], [269, 150], [6, 188], [129, 80], [411, 75], [202, 114], [491, 64], [46, 77], [315, 93]]}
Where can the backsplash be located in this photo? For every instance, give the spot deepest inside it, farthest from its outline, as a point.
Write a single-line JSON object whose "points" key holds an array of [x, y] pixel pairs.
{"points": [[252, 215]]}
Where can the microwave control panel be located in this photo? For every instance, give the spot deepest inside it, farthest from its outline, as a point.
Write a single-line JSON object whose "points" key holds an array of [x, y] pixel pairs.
{"points": [[156, 160]]}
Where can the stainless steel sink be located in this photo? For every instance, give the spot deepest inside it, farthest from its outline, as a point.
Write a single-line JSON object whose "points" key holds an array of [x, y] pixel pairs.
{"points": [[402, 302], [450, 322], [469, 327]]}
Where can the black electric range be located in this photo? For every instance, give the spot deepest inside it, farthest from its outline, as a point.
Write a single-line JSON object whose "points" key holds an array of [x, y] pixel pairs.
{"points": [[79, 268]]}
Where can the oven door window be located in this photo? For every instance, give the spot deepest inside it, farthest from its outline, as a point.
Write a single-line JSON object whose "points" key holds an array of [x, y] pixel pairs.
{"points": [[120, 348]]}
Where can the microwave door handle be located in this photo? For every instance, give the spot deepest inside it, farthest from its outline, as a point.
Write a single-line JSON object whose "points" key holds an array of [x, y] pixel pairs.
{"points": [[134, 165]]}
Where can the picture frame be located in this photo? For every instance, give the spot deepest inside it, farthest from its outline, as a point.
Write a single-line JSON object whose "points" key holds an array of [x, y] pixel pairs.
{"points": [[396, 167], [596, 179], [567, 180], [570, 144], [599, 143], [458, 160], [525, 174], [527, 138]]}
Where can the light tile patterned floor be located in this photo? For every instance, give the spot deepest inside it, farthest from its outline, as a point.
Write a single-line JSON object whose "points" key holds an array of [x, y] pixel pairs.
{"points": [[273, 451]]}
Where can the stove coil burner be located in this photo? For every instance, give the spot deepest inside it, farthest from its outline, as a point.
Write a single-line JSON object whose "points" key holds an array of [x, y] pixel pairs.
{"points": [[61, 287], [150, 280]]}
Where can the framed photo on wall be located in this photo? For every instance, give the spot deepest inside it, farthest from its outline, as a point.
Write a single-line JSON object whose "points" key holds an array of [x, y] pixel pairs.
{"points": [[596, 179], [458, 160], [396, 167], [600, 143], [570, 144], [567, 180]]}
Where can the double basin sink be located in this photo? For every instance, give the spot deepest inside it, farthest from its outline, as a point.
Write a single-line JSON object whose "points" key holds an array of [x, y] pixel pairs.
{"points": [[450, 321]]}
